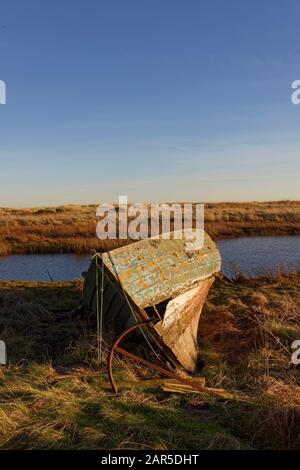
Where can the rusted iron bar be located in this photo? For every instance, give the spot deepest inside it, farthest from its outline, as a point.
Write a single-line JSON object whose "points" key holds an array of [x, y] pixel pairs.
{"points": [[117, 341], [151, 365], [139, 359], [143, 361]]}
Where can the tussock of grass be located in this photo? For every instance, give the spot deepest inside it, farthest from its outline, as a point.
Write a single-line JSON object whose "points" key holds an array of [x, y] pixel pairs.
{"points": [[251, 324], [76, 414], [48, 398]]}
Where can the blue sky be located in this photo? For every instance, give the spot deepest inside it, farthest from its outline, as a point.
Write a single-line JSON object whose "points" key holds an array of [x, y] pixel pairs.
{"points": [[161, 100]]}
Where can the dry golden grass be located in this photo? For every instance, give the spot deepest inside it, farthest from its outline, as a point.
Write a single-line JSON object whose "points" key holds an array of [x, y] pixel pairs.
{"points": [[247, 329], [72, 229], [245, 336]]}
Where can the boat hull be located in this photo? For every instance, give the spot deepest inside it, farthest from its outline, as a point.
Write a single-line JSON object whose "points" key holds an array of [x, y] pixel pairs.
{"points": [[155, 279], [179, 326]]}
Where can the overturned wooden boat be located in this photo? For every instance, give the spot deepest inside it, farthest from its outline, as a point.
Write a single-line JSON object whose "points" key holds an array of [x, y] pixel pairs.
{"points": [[155, 279]]}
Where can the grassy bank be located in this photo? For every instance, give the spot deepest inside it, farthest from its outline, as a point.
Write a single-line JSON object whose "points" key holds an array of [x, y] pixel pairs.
{"points": [[49, 399], [71, 229]]}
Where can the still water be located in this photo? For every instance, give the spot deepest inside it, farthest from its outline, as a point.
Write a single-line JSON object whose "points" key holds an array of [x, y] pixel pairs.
{"points": [[253, 256], [250, 256]]}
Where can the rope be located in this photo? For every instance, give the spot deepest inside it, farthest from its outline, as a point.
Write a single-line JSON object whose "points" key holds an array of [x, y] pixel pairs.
{"points": [[99, 308], [129, 304], [99, 305], [101, 311]]}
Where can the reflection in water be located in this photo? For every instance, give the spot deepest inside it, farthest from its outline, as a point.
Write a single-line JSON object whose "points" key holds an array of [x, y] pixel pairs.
{"points": [[250, 256]]}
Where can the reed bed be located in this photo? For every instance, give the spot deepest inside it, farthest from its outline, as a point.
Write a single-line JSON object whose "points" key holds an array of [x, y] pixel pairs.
{"points": [[72, 228]]}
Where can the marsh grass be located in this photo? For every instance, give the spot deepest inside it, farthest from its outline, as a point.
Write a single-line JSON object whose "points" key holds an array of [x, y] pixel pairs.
{"points": [[250, 324], [72, 228], [52, 395]]}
